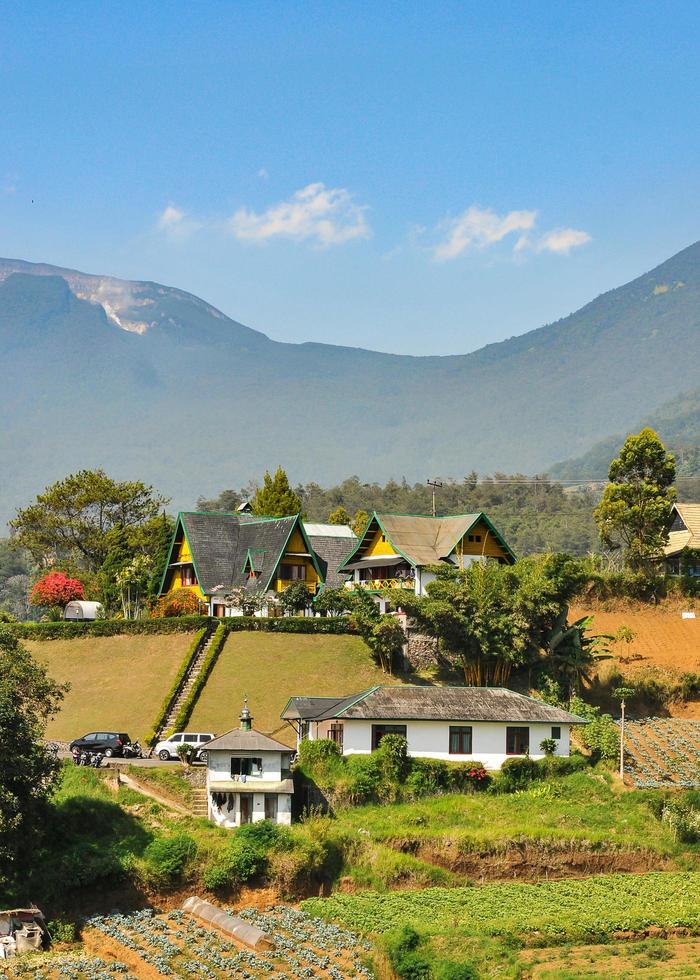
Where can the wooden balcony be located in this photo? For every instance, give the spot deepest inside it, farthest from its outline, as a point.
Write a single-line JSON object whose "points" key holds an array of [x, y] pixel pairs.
{"points": [[378, 584]]}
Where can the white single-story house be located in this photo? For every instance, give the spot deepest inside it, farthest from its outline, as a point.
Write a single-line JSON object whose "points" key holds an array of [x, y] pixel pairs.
{"points": [[248, 777], [459, 724]]}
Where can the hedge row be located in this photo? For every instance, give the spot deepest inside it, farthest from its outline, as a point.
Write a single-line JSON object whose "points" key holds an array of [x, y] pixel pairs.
{"points": [[68, 630], [183, 715], [175, 686], [288, 624]]}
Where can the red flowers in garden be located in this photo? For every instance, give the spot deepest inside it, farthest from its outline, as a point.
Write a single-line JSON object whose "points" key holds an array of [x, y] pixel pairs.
{"points": [[56, 589]]}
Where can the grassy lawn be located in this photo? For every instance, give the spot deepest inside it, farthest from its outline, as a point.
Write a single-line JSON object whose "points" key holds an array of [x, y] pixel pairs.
{"points": [[270, 668], [117, 682]]}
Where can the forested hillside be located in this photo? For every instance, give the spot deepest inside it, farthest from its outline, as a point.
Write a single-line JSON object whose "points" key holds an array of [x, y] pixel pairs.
{"points": [[534, 513]]}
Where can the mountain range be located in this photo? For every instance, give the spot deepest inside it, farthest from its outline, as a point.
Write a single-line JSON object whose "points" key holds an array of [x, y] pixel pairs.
{"points": [[153, 383]]}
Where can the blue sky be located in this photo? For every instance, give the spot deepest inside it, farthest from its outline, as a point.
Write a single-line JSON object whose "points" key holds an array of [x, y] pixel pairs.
{"points": [[420, 178]]}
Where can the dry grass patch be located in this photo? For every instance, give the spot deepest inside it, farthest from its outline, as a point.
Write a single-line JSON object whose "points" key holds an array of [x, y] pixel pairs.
{"points": [[117, 682]]}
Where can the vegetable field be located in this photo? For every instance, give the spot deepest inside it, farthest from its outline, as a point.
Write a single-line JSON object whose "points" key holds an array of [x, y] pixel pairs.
{"points": [[663, 752], [546, 913], [176, 945]]}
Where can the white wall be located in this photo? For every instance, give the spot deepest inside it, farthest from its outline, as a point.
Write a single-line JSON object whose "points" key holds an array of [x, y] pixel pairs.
{"points": [[430, 739], [219, 765], [232, 818]]}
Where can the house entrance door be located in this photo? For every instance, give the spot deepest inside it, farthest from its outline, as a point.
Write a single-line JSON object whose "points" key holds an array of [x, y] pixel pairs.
{"points": [[246, 807], [271, 807]]}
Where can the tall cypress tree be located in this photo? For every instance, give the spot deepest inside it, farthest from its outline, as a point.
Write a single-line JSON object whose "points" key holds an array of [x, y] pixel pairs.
{"points": [[275, 498]]}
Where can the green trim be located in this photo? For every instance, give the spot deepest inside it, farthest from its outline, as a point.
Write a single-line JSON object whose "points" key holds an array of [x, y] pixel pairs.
{"points": [[170, 555], [388, 537], [194, 560], [496, 533], [300, 524], [360, 697]]}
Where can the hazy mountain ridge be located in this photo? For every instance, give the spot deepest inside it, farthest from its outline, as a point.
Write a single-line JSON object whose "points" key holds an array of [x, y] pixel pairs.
{"points": [[195, 401]]}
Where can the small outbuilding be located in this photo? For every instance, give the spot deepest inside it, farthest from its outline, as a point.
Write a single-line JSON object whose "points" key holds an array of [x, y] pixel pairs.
{"points": [[248, 777], [459, 724], [82, 609]]}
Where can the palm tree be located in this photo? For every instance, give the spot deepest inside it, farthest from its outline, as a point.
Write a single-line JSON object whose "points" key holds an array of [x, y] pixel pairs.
{"points": [[574, 655]]}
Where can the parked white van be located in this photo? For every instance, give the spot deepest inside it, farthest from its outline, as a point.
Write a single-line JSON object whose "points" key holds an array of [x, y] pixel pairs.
{"points": [[167, 749]]}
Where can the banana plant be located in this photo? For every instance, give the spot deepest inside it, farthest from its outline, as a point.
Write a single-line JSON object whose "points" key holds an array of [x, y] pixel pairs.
{"points": [[574, 655]]}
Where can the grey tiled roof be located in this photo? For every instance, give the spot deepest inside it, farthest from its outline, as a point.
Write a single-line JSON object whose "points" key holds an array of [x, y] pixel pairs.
{"points": [[406, 703], [331, 553], [242, 741], [220, 544]]}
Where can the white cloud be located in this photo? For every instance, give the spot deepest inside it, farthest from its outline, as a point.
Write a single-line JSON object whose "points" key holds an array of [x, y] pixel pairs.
{"points": [[327, 215], [171, 217], [479, 227], [263, 174], [562, 240], [176, 223]]}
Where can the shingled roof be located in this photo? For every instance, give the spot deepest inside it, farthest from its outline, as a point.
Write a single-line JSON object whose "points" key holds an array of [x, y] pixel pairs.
{"points": [[221, 545], [415, 703], [333, 544], [246, 741]]}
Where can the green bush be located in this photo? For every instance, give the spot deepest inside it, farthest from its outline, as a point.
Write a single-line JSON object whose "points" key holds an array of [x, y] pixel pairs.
{"points": [[246, 856], [315, 752], [392, 758], [66, 630], [448, 970], [517, 774], [166, 857], [61, 932], [364, 777], [289, 624], [402, 947]]}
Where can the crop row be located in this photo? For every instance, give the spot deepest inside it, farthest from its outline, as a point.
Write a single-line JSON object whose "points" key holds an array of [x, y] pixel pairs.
{"points": [[72, 966], [549, 912], [176, 945], [661, 752]]}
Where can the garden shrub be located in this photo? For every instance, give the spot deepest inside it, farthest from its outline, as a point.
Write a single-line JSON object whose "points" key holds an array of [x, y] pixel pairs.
{"points": [[392, 758], [69, 630], [166, 857], [403, 951], [448, 970], [518, 774], [61, 932], [364, 777]]}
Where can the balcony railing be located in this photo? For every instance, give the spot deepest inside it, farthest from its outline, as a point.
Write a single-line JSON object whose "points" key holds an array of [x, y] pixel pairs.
{"points": [[282, 584], [377, 584]]}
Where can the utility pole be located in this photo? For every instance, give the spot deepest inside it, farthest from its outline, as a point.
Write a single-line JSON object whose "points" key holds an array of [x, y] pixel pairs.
{"points": [[622, 693], [435, 484]]}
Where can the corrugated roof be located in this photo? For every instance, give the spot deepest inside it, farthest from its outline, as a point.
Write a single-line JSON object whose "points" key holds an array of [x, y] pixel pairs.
{"points": [[246, 741], [425, 540], [414, 703], [330, 530], [688, 538]]}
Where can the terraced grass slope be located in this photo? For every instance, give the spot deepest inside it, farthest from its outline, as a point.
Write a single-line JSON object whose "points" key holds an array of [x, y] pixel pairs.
{"points": [[270, 668], [117, 682]]}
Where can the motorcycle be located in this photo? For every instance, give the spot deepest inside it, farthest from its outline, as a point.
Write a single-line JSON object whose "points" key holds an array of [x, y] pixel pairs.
{"points": [[132, 750], [96, 760], [84, 758], [75, 754]]}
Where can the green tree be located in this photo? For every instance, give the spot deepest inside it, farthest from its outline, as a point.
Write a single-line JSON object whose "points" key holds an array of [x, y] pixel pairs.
{"points": [[72, 518], [275, 498], [132, 581], [119, 554], [490, 618], [28, 773], [573, 655], [295, 598], [382, 633], [332, 602], [360, 522], [635, 511], [339, 516]]}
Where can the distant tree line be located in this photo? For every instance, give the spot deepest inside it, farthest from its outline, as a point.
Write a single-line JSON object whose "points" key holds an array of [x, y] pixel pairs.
{"points": [[535, 514]]}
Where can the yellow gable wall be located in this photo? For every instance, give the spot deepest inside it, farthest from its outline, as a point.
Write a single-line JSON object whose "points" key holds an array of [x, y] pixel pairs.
{"points": [[488, 545], [173, 580], [379, 547], [296, 544]]}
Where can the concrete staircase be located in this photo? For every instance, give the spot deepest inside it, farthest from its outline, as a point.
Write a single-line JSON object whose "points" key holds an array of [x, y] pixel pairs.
{"points": [[187, 683], [199, 802]]}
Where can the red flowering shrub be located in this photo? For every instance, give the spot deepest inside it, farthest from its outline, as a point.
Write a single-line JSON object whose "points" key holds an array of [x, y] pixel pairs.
{"points": [[56, 589]]}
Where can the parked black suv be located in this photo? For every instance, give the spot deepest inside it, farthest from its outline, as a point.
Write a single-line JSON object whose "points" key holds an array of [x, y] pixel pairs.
{"points": [[111, 743]]}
